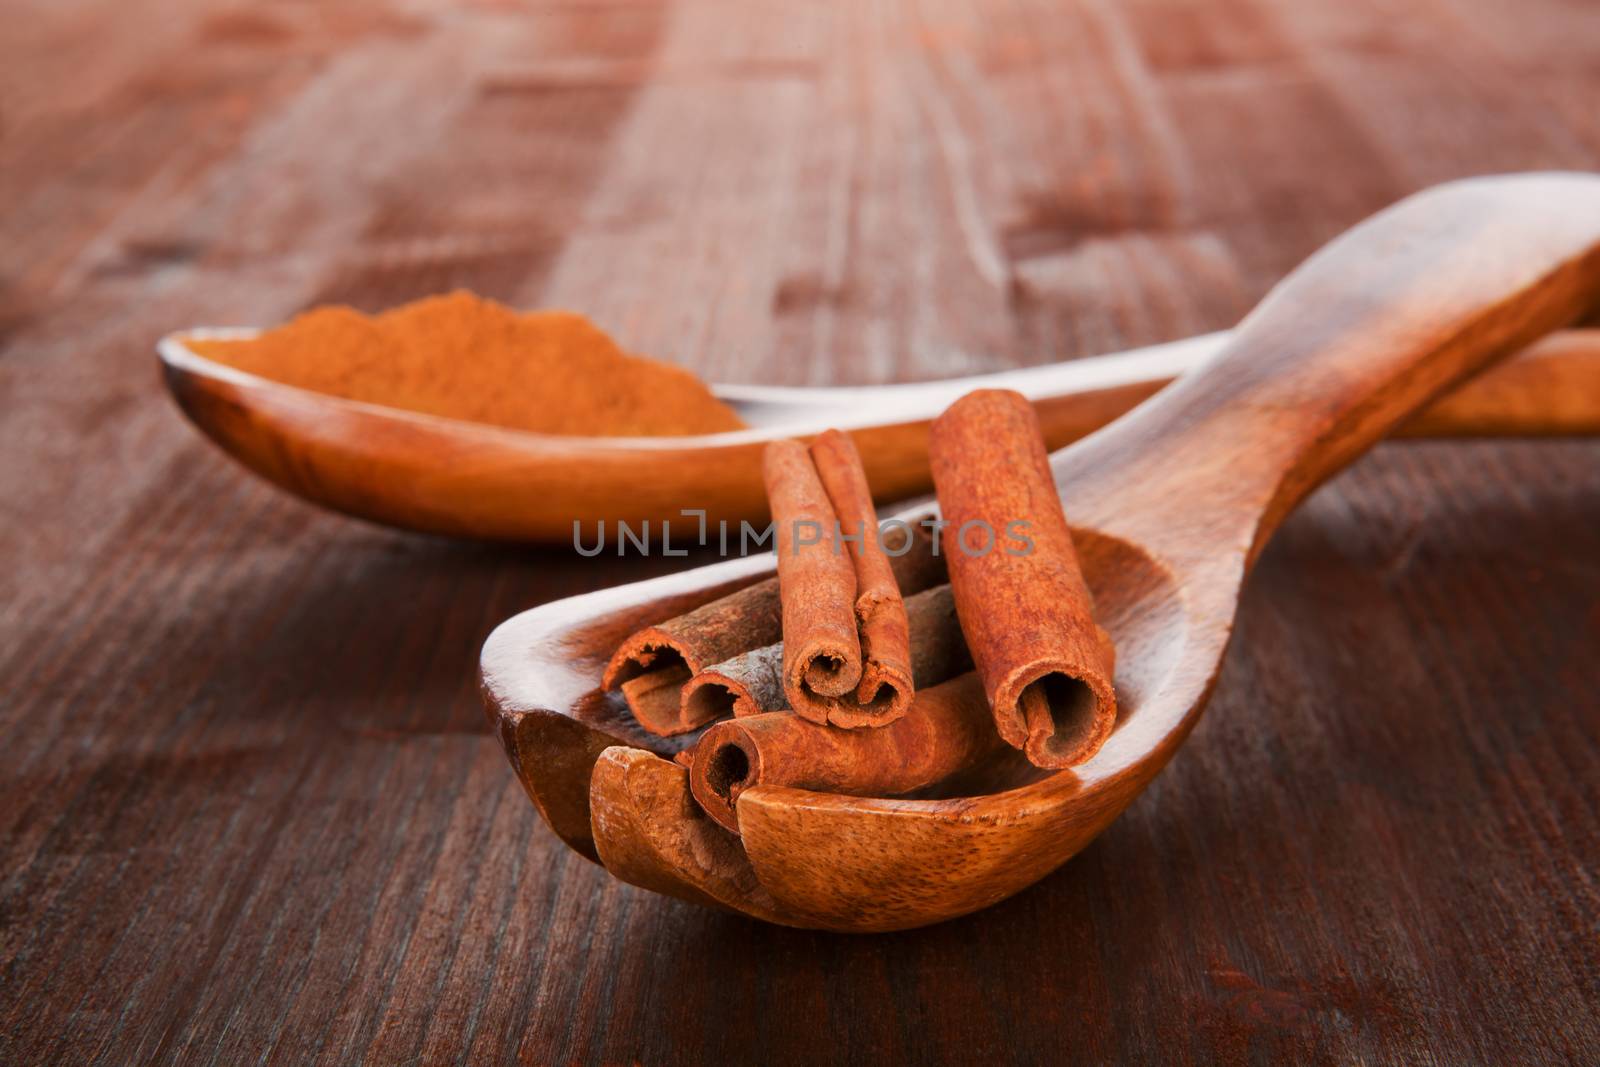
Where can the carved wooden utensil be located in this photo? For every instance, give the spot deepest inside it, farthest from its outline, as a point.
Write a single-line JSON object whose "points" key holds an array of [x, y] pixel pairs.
{"points": [[1172, 505], [439, 475]]}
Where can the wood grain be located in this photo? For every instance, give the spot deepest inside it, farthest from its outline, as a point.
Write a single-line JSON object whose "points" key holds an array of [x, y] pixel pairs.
{"points": [[251, 810]]}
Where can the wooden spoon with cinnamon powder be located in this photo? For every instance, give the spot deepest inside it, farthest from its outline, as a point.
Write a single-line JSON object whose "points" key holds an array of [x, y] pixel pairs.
{"points": [[458, 416]]}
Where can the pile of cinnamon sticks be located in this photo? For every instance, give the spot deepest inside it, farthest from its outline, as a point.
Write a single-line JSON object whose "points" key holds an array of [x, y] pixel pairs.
{"points": [[882, 660]]}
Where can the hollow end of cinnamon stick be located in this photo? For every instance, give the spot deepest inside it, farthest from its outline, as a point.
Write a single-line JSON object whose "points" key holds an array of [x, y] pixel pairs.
{"points": [[752, 682], [748, 684], [828, 672], [881, 694], [708, 697], [650, 669], [824, 667], [725, 763], [1059, 715], [886, 687], [653, 664]]}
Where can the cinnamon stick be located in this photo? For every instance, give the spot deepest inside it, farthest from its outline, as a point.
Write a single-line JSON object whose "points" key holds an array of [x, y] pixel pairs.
{"points": [[746, 685], [846, 643], [653, 664], [821, 648], [1027, 615], [752, 683], [948, 728], [886, 686]]}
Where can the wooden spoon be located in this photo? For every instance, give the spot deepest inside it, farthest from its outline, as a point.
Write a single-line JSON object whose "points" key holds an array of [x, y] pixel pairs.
{"points": [[439, 475], [1171, 505]]}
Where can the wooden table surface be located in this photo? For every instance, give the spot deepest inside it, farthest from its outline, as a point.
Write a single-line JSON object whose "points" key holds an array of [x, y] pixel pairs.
{"points": [[251, 809]]}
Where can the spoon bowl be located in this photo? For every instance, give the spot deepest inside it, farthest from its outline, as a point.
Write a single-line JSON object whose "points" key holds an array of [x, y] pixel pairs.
{"points": [[998, 828], [1171, 505]]}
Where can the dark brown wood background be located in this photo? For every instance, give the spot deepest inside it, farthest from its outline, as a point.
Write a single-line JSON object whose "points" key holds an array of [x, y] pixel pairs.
{"points": [[251, 811]]}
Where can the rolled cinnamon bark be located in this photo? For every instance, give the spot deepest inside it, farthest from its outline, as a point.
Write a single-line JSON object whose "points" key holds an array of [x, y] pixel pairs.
{"points": [[821, 648], [1024, 608], [847, 656], [884, 692], [746, 685], [752, 683], [653, 664], [948, 729]]}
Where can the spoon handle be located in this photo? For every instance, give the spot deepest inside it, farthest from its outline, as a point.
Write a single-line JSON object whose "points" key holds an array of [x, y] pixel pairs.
{"points": [[1358, 337], [1551, 389]]}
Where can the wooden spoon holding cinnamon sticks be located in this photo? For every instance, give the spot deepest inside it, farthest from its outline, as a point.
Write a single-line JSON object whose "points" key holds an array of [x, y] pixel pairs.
{"points": [[1171, 506]]}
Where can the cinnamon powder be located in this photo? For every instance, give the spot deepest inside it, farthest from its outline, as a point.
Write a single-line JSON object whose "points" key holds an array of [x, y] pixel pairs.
{"points": [[463, 357]]}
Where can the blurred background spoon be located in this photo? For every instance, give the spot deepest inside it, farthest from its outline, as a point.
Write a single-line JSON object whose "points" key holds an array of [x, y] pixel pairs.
{"points": [[446, 476]]}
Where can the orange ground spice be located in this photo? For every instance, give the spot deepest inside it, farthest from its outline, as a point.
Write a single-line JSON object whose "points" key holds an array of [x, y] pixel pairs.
{"points": [[464, 357]]}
